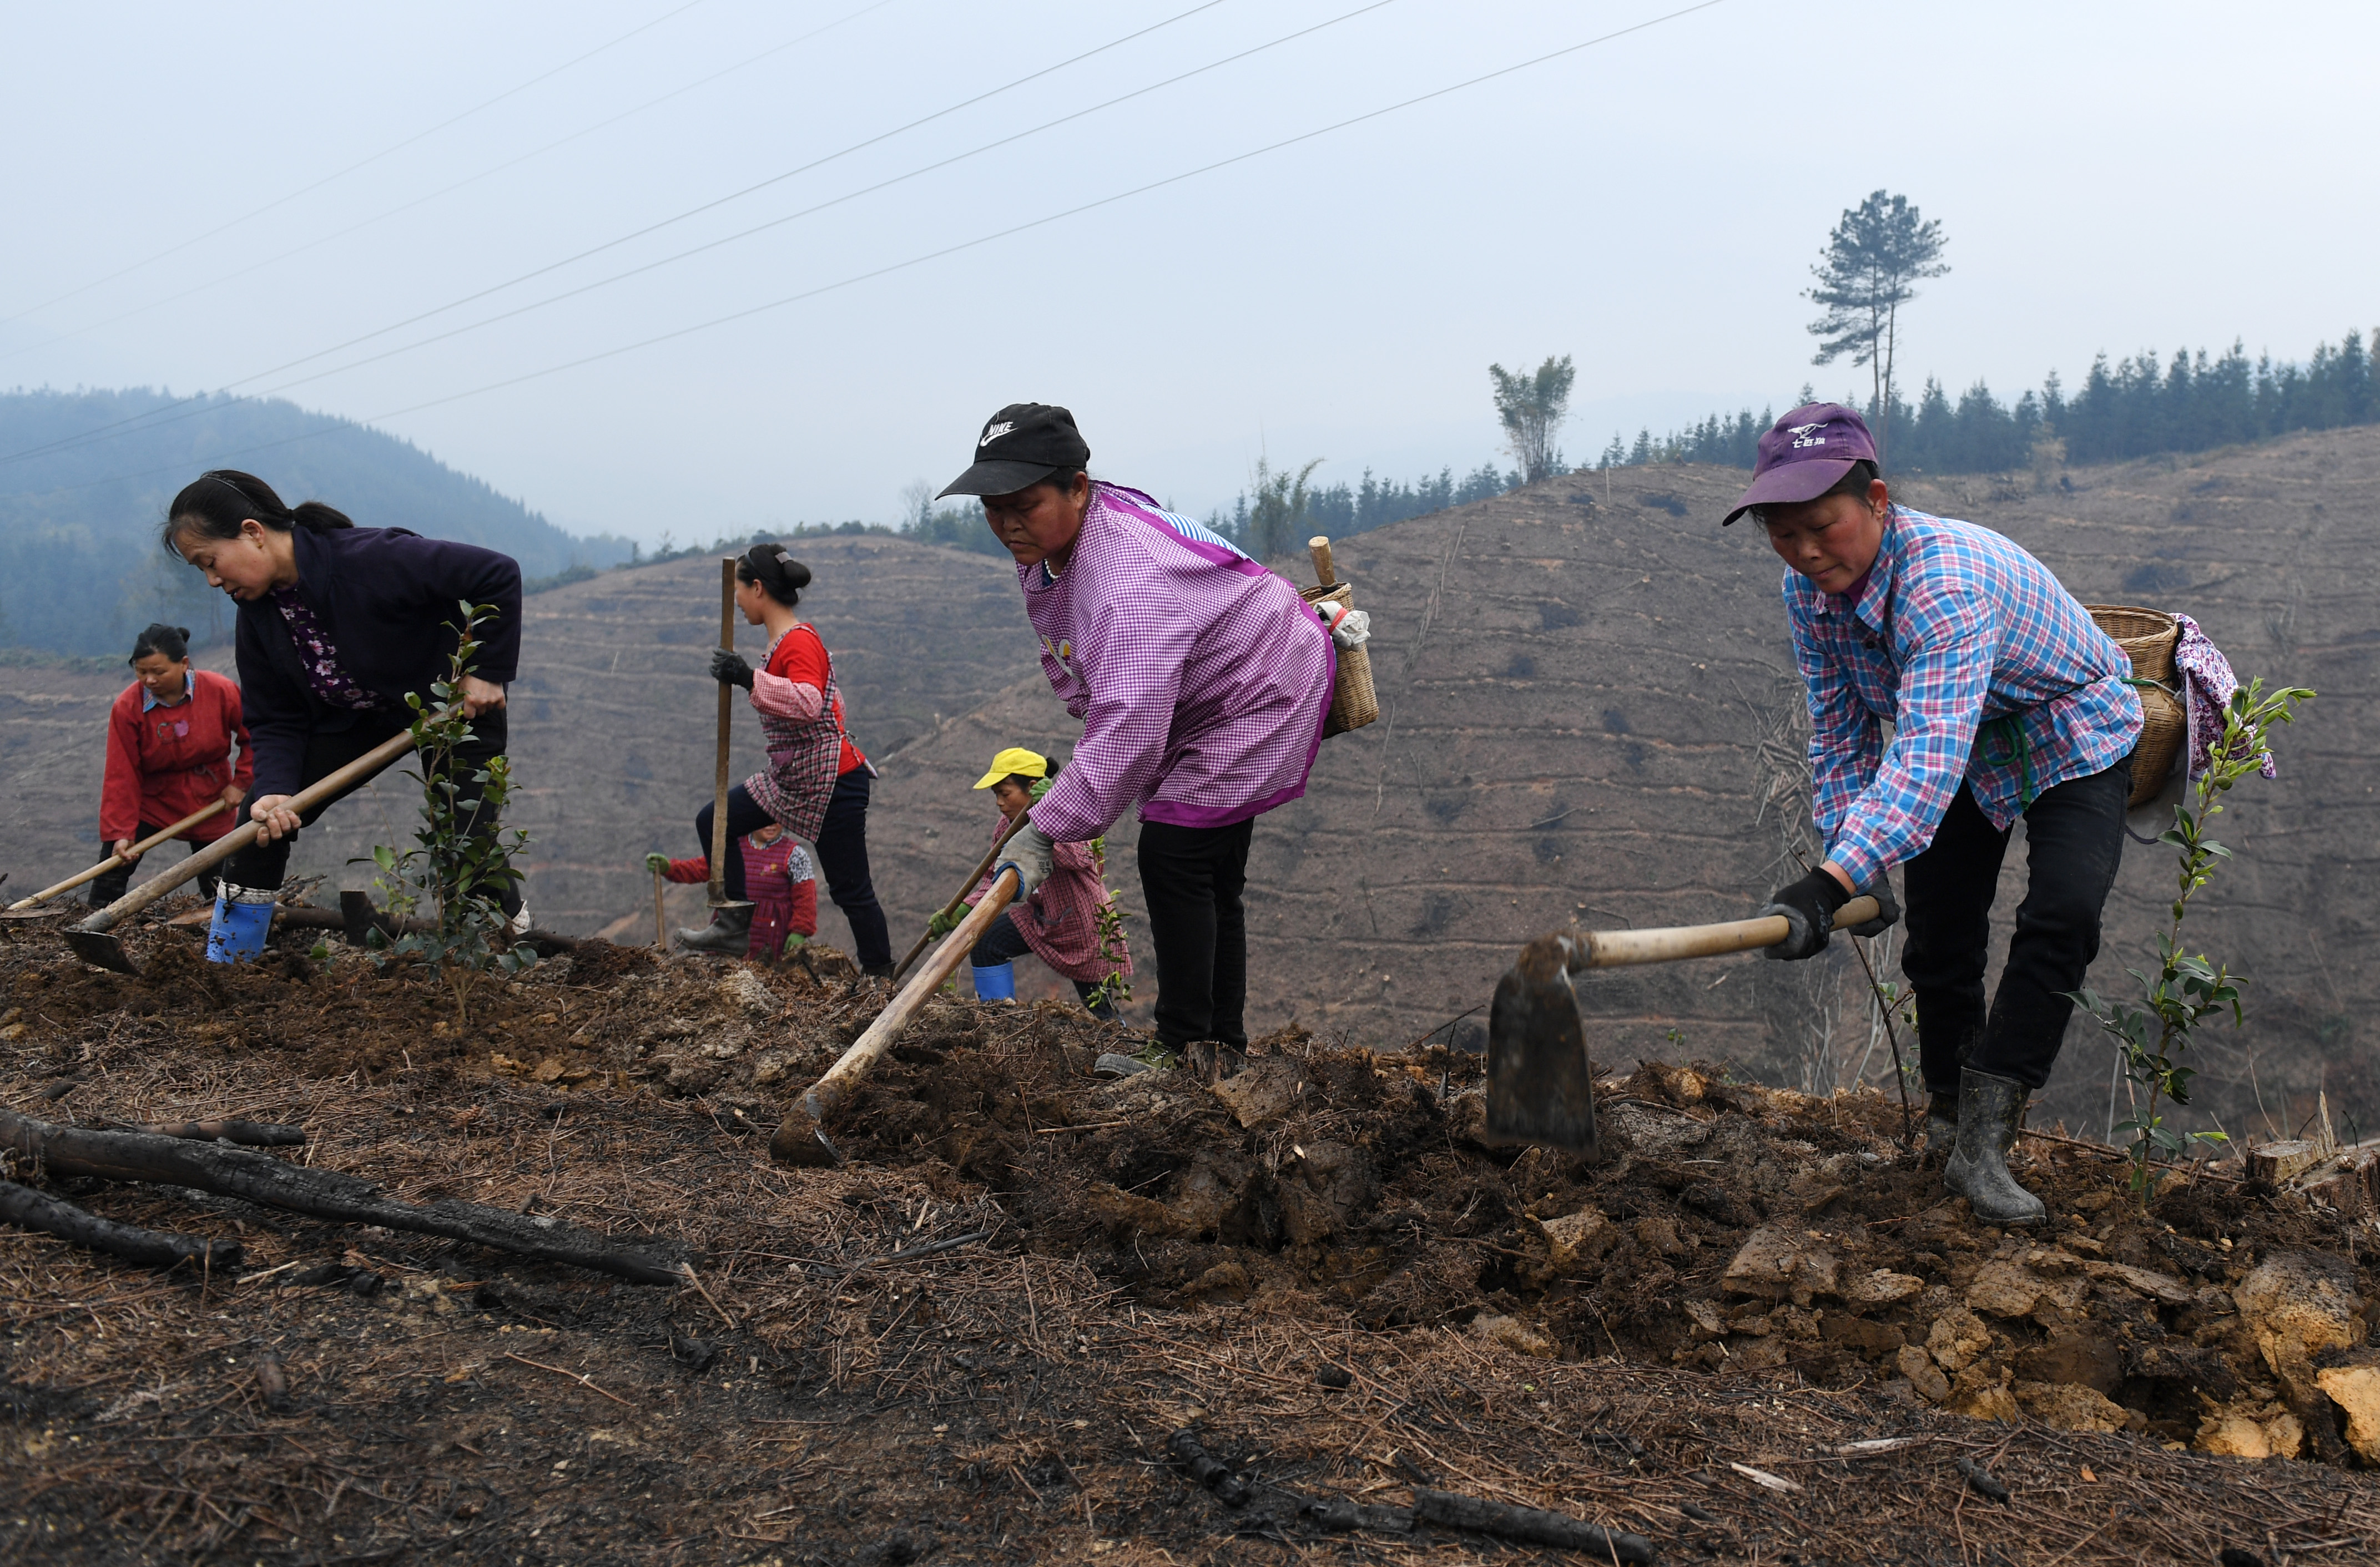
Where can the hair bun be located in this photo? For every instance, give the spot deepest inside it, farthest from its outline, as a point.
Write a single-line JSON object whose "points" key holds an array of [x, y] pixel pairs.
{"points": [[182, 632]]}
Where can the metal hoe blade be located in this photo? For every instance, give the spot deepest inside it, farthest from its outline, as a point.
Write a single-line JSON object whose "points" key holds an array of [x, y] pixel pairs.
{"points": [[801, 1140], [101, 949], [1540, 1086]]}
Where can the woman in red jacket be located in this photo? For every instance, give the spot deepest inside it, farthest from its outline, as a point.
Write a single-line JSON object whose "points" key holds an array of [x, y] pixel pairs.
{"points": [[169, 753]]}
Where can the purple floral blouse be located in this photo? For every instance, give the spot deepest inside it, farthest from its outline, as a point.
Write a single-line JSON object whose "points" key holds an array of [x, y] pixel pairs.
{"points": [[324, 673]]}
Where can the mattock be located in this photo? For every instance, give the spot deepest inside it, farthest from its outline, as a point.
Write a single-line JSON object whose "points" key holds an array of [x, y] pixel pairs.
{"points": [[802, 1139], [1540, 1083]]}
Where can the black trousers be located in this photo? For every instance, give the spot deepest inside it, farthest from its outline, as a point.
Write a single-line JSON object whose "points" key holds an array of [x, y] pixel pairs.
{"points": [[2074, 835], [1002, 942], [111, 886], [842, 859], [265, 865], [1192, 878]]}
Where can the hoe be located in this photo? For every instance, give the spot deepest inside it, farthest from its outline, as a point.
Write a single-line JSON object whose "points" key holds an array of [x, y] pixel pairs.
{"points": [[1540, 1087]]}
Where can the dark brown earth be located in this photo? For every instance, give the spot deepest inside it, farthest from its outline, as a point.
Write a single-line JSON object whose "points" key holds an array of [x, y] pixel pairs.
{"points": [[1752, 1282]]}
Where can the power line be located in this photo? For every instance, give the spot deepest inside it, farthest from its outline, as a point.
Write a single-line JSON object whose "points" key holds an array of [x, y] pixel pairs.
{"points": [[165, 414], [820, 207], [489, 173], [351, 168], [976, 243]]}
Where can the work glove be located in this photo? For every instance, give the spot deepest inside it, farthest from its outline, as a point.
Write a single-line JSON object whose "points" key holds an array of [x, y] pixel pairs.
{"points": [[728, 667], [1809, 907], [656, 863], [795, 942], [1029, 852], [1887, 908], [943, 923]]}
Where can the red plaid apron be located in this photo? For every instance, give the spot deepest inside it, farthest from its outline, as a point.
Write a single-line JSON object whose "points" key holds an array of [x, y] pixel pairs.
{"points": [[803, 761]]}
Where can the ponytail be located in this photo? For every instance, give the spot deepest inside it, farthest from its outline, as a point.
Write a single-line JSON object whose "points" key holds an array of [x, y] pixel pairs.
{"points": [[173, 641], [215, 503], [779, 575]]}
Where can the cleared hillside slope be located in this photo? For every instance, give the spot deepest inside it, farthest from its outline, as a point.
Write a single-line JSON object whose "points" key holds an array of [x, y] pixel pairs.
{"points": [[1590, 711]]}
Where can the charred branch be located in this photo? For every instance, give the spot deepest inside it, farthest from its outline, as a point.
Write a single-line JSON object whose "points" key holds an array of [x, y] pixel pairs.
{"points": [[28, 1209], [323, 1194]]}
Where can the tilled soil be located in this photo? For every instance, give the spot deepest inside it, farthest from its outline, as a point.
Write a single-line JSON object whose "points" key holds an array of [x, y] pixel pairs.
{"points": [[973, 1340]]}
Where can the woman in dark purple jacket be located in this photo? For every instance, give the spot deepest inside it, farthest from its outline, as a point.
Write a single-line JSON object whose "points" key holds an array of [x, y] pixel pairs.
{"points": [[337, 623]]}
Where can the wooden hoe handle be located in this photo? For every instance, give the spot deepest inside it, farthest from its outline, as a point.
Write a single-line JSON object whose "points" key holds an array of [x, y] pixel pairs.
{"points": [[144, 845], [1620, 949], [982, 869]]}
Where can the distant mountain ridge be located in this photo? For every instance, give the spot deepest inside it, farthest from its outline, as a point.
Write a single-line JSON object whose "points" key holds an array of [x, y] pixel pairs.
{"points": [[85, 478]]}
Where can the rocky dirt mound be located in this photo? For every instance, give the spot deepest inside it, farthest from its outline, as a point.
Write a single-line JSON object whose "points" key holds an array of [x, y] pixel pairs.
{"points": [[984, 1328]]}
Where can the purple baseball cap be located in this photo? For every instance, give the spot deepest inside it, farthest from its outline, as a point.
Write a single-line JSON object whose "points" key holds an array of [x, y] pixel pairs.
{"points": [[1803, 454]]}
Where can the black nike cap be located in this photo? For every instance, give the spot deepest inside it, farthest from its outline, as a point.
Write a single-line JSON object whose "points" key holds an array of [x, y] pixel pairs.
{"points": [[1022, 445]]}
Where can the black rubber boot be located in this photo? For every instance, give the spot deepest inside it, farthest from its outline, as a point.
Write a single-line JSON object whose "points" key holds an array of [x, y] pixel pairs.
{"points": [[727, 936], [1989, 1110], [1940, 1130]]}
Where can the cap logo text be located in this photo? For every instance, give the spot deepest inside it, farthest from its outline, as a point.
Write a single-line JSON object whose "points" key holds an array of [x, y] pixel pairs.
{"points": [[993, 432]]}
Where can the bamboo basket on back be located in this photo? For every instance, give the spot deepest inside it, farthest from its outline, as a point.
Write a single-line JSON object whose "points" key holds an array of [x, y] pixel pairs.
{"points": [[1352, 702], [2148, 637]]}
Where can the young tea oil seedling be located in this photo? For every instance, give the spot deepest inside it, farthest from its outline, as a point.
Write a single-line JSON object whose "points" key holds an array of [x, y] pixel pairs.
{"points": [[2187, 990], [460, 866]]}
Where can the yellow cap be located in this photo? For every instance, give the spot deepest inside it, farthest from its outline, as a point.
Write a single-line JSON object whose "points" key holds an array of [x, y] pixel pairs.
{"points": [[1015, 759]]}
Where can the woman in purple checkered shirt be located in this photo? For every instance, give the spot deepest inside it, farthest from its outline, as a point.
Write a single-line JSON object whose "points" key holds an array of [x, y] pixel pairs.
{"points": [[2005, 701]]}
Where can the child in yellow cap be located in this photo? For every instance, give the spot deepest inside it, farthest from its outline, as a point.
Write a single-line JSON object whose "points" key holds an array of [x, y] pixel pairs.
{"points": [[1068, 922]]}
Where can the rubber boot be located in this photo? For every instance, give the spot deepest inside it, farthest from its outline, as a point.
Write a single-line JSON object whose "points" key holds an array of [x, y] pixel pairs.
{"points": [[243, 919], [729, 933], [1989, 1109], [995, 983], [1940, 1130]]}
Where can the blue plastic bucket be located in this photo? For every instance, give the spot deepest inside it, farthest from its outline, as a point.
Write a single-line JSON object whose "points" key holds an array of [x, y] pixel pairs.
{"points": [[243, 919]]}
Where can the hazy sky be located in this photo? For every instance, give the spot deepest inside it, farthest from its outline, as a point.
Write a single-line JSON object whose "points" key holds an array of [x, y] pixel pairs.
{"points": [[2111, 177]]}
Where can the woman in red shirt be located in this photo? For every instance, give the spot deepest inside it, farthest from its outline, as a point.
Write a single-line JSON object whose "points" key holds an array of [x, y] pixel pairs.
{"points": [[817, 783], [169, 752]]}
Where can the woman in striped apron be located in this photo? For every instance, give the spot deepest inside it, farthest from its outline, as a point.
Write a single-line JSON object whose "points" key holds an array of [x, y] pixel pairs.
{"points": [[817, 782]]}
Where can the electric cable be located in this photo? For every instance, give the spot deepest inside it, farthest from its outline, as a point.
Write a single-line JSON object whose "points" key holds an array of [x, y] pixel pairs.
{"points": [[489, 173], [164, 414], [351, 168], [964, 246], [812, 210]]}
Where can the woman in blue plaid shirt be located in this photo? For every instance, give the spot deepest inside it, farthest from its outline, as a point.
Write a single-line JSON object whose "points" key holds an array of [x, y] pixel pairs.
{"points": [[2005, 701]]}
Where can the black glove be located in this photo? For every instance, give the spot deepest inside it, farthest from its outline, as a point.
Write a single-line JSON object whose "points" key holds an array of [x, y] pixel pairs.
{"points": [[728, 667], [1809, 907], [1888, 908]]}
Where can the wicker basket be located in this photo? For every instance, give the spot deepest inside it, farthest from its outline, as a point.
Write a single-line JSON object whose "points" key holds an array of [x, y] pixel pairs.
{"points": [[1352, 701], [2148, 637]]}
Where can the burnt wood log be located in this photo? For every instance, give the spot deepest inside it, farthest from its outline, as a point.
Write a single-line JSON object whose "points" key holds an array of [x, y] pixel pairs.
{"points": [[324, 1194], [1338, 1514], [31, 1210], [250, 1134], [1533, 1525]]}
